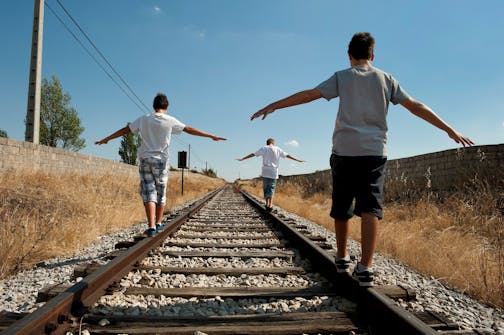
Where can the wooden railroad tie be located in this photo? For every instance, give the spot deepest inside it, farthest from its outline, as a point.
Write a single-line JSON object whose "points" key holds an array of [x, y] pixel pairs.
{"points": [[394, 292], [271, 324]]}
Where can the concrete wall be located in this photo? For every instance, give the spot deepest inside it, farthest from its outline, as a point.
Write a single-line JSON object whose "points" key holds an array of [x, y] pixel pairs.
{"points": [[446, 170], [438, 171], [20, 156]]}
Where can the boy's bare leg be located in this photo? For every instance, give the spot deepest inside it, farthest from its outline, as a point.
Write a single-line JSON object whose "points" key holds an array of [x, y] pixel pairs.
{"points": [[159, 213], [341, 228], [150, 212], [369, 233], [268, 202]]}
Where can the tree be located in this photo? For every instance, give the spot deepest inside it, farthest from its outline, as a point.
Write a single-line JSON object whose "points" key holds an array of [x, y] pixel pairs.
{"points": [[209, 172], [3, 133], [129, 148], [60, 125]]}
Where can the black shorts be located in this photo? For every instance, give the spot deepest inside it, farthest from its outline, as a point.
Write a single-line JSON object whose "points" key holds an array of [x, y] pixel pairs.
{"points": [[360, 178]]}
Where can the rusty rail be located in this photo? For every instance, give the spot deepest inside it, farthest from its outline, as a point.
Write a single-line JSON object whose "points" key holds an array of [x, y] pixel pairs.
{"points": [[58, 314], [374, 306]]}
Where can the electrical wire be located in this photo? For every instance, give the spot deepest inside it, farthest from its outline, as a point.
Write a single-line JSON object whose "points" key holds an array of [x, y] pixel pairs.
{"points": [[102, 55], [145, 108], [90, 54]]}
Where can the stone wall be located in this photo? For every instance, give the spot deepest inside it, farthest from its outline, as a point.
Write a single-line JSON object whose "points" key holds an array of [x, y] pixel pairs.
{"points": [[438, 171], [21, 156]]}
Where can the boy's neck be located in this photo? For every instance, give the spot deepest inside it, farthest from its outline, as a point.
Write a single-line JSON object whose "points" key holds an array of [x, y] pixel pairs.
{"points": [[162, 111], [360, 62]]}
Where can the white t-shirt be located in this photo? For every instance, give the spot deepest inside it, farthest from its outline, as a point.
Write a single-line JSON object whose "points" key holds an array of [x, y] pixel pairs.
{"points": [[155, 130], [271, 155]]}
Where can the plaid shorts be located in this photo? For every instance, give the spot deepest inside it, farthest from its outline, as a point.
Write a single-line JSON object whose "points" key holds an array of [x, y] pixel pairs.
{"points": [[153, 180]]}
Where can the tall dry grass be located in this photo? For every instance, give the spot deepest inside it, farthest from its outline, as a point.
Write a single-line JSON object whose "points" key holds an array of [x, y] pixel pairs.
{"points": [[456, 237], [43, 216]]}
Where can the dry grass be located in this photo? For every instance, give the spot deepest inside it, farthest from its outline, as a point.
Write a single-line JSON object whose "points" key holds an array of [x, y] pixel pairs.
{"points": [[457, 238], [43, 216]]}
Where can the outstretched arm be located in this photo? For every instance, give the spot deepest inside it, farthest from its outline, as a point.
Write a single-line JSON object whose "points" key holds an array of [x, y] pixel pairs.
{"points": [[121, 132], [424, 112], [197, 132], [294, 158], [246, 157], [293, 100]]}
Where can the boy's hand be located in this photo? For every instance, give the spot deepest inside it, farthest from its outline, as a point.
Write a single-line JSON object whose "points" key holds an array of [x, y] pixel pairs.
{"points": [[264, 112], [100, 142], [218, 138], [459, 138]]}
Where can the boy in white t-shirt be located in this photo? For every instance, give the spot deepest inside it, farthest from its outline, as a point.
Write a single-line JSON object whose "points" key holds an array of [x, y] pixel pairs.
{"points": [[271, 156], [155, 130]]}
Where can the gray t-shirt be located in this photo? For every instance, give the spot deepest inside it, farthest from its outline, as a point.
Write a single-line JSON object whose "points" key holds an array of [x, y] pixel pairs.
{"points": [[361, 125]]}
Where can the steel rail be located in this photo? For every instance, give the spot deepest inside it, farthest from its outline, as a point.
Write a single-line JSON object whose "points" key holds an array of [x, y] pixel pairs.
{"points": [[59, 313], [375, 306]]}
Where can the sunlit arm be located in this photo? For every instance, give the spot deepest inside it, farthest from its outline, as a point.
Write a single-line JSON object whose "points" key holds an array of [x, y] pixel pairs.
{"points": [[121, 132], [299, 98], [246, 157], [424, 112], [197, 132], [294, 158]]}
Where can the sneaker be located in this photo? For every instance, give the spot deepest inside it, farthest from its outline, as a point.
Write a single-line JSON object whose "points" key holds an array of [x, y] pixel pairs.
{"points": [[150, 232], [342, 264], [365, 278], [159, 227], [269, 209]]}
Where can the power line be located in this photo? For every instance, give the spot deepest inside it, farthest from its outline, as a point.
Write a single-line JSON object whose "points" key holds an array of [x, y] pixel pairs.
{"points": [[180, 141], [101, 54], [90, 54]]}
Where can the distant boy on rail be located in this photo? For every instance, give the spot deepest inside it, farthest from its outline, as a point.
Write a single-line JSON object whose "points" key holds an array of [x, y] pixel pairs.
{"points": [[358, 153], [271, 155], [155, 130]]}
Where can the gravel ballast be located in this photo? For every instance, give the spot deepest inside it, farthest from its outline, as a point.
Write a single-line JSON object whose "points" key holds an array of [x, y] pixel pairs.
{"points": [[18, 293]]}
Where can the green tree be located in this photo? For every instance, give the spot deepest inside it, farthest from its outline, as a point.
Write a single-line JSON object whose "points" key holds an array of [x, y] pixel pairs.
{"points": [[60, 125], [129, 148], [3, 133], [209, 172]]}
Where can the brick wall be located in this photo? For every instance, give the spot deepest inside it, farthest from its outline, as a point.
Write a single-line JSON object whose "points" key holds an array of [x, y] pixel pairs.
{"points": [[20, 156], [438, 171]]}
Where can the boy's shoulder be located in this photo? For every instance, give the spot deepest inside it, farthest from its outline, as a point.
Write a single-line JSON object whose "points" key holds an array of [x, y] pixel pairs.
{"points": [[359, 70]]}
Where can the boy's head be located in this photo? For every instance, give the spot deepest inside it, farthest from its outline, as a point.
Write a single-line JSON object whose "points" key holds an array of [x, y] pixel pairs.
{"points": [[160, 102], [361, 46], [270, 141]]}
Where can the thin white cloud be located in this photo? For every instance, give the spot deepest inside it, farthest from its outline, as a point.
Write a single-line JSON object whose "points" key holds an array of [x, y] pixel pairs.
{"points": [[157, 10], [292, 143], [196, 31]]}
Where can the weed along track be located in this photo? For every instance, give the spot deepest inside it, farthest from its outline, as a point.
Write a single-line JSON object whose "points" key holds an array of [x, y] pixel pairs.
{"points": [[225, 266]]}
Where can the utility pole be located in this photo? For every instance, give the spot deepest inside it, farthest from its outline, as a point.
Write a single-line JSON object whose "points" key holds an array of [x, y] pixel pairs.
{"points": [[32, 130]]}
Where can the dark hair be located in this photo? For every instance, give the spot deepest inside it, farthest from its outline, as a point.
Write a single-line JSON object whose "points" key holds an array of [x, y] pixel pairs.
{"points": [[361, 46], [160, 102], [269, 141]]}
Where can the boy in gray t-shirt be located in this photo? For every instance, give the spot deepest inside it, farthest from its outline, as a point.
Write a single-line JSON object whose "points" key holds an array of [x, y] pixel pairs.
{"points": [[359, 144]]}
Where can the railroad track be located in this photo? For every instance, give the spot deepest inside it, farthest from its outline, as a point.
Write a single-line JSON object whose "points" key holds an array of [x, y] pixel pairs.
{"points": [[225, 266]]}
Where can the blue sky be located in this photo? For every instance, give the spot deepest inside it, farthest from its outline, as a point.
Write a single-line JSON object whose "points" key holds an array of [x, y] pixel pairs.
{"points": [[220, 61]]}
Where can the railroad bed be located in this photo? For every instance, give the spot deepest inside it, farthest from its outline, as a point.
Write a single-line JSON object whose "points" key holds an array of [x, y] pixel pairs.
{"points": [[225, 266]]}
